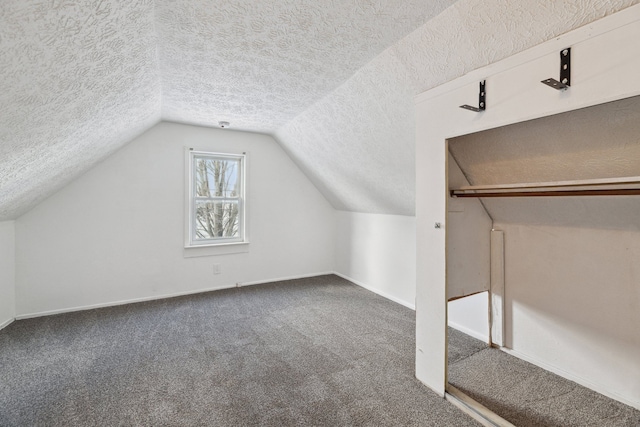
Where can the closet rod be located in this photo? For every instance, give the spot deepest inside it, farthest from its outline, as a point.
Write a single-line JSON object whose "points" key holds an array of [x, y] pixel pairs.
{"points": [[620, 186], [627, 180], [593, 192]]}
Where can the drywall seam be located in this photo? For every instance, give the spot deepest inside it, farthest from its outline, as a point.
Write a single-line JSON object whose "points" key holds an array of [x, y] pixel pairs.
{"points": [[376, 291], [575, 378]]}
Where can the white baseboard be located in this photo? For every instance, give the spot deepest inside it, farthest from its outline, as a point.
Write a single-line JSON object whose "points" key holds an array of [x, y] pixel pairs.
{"points": [[376, 291], [470, 332], [6, 323], [282, 279], [158, 297], [577, 379], [116, 303]]}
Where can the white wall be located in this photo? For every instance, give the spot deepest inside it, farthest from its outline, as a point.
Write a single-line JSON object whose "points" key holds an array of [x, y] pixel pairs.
{"points": [[378, 252], [7, 272], [468, 240], [572, 300], [573, 303], [600, 73], [116, 233], [470, 315]]}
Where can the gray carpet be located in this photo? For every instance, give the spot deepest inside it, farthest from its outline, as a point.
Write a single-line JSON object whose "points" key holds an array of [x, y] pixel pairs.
{"points": [[317, 351], [527, 395]]}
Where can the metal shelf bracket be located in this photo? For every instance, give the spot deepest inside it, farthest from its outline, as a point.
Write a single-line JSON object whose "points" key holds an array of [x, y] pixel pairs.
{"points": [[565, 72], [482, 103]]}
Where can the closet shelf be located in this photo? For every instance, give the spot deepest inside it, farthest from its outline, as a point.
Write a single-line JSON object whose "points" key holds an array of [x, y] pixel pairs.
{"points": [[626, 186]]}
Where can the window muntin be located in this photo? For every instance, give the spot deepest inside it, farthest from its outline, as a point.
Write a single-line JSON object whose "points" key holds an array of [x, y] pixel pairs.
{"points": [[216, 198]]}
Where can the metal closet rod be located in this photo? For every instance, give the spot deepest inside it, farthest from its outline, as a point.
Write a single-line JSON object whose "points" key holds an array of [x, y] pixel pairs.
{"points": [[627, 192], [588, 187]]}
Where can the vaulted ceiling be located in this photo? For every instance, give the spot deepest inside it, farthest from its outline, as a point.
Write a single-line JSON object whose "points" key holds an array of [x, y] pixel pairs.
{"points": [[333, 81]]}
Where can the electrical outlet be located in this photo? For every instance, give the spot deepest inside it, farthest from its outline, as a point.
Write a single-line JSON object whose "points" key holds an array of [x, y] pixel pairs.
{"points": [[216, 268]]}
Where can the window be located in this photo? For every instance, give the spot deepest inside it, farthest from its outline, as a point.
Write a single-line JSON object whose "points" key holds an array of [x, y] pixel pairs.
{"points": [[216, 198]]}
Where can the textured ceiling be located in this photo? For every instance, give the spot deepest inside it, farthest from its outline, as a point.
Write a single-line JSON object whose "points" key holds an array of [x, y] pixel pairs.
{"points": [[358, 143], [333, 80], [77, 80], [602, 141], [258, 64]]}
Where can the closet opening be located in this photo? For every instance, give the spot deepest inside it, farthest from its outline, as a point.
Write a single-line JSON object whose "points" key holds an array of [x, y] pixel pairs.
{"points": [[543, 278]]}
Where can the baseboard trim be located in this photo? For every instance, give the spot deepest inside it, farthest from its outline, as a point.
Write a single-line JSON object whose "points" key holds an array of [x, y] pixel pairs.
{"points": [[116, 303], [159, 297], [282, 279], [470, 332], [376, 291], [218, 288], [575, 378], [6, 323]]}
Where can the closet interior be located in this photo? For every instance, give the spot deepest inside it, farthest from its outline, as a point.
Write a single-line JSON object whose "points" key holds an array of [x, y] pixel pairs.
{"points": [[543, 232]]}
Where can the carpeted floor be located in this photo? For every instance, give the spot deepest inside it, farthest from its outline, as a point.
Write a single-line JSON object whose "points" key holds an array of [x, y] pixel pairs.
{"points": [[526, 395], [317, 351]]}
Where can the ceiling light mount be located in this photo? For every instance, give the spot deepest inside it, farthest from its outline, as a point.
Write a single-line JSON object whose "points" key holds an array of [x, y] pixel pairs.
{"points": [[223, 124]]}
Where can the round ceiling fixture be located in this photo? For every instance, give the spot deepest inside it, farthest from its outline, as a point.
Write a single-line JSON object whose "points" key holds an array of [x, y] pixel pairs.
{"points": [[223, 124]]}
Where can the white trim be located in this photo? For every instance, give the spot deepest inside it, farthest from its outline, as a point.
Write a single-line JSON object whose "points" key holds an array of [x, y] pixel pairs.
{"points": [[121, 302], [159, 297], [434, 126], [497, 292], [6, 323], [189, 238], [198, 291], [213, 250], [470, 332], [376, 291], [216, 245], [601, 26], [575, 378], [282, 279]]}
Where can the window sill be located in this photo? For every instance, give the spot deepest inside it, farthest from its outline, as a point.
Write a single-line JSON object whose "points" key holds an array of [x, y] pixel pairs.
{"points": [[215, 249]]}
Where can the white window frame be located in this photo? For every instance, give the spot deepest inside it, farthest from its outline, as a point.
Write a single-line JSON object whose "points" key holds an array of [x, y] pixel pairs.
{"points": [[190, 201]]}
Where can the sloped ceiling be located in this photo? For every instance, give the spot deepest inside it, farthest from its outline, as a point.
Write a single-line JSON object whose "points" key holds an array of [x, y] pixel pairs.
{"points": [[332, 80], [258, 64], [78, 79], [358, 143]]}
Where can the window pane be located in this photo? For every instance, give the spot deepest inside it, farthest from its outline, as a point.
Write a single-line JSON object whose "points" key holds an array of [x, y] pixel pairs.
{"points": [[217, 177], [216, 220]]}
